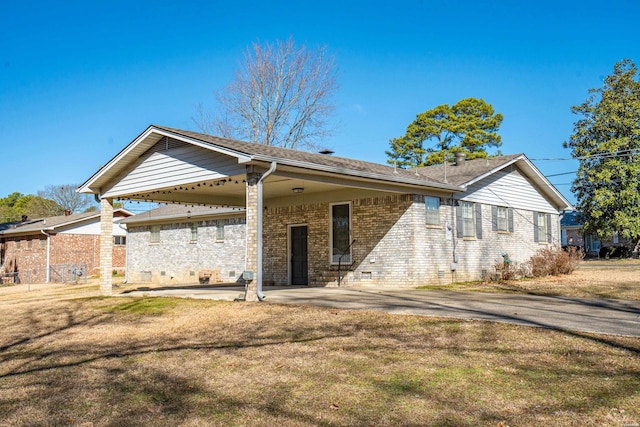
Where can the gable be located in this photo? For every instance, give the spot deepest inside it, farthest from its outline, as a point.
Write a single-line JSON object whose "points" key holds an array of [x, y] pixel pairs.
{"points": [[508, 187], [171, 162]]}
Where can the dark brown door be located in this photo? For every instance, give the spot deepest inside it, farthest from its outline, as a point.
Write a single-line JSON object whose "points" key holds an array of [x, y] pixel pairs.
{"points": [[299, 261]]}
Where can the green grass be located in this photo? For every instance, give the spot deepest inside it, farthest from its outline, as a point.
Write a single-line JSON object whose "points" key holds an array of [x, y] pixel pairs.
{"points": [[144, 306]]}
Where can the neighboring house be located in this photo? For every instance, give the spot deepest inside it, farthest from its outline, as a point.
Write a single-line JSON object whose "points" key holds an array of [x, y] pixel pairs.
{"points": [[186, 244], [322, 220], [44, 249], [572, 233]]}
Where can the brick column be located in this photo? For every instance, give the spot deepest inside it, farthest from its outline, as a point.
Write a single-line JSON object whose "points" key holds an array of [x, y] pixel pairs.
{"points": [[106, 246], [252, 234]]}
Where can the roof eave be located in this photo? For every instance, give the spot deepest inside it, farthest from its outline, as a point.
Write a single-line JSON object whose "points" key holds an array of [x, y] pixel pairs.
{"points": [[356, 173]]}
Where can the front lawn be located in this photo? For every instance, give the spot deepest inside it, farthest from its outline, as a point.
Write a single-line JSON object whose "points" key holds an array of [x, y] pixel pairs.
{"points": [[176, 362]]}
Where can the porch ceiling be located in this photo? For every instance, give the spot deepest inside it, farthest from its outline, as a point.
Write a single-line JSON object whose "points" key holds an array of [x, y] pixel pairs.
{"points": [[231, 191]]}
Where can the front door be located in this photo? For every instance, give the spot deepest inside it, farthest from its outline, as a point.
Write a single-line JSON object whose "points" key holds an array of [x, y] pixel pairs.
{"points": [[299, 268]]}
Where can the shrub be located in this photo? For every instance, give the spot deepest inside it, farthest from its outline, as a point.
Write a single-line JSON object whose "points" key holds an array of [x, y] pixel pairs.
{"points": [[554, 261], [614, 252]]}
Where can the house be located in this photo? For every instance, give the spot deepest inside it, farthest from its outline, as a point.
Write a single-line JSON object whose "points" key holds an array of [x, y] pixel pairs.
{"points": [[323, 220], [572, 233], [45, 249], [177, 244]]}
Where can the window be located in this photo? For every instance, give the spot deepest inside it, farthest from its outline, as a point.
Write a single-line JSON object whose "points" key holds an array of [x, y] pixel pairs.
{"points": [[155, 234], [194, 232], [541, 227], [119, 240], [17, 244], [220, 230], [340, 233], [502, 219], [469, 220], [432, 210], [29, 243], [43, 243]]}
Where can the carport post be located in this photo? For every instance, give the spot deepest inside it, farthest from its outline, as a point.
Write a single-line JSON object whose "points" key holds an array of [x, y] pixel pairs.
{"points": [[251, 260], [106, 246]]}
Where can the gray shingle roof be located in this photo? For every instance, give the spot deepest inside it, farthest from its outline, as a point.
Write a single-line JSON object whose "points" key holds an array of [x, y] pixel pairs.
{"points": [[467, 171], [49, 223], [178, 211], [456, 175]]}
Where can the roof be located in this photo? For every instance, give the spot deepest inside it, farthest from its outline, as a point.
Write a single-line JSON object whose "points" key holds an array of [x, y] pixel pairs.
{"points": [[466, 172], [173, 212], [51, 223], [571, 219], [447, 178], [248, 153]]}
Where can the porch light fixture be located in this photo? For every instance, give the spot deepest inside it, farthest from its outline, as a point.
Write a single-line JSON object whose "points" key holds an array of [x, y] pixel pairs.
{"points": [[297, 190]]}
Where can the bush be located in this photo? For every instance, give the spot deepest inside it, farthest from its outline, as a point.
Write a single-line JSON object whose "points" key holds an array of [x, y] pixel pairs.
{"points": [[615, 252], [554, 261]]}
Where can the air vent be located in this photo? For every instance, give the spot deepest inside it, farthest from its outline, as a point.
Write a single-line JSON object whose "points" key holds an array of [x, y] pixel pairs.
{"points": [[165, 144]]}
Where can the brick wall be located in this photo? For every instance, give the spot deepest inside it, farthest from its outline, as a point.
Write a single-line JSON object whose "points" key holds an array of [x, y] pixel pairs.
{"points": [[76, 249], [394, 245], [179, 260]]}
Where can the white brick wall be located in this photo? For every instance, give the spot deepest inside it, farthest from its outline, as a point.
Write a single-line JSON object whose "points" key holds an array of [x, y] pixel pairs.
{"points": [[176, 259]]}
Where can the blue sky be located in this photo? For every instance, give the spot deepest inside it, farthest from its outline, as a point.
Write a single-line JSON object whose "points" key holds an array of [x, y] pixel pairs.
{"points": [[80, 80]]}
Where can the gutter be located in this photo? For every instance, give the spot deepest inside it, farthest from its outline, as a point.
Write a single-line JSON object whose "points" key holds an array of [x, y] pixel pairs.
{"points": [[48, 278], [272, 169]]}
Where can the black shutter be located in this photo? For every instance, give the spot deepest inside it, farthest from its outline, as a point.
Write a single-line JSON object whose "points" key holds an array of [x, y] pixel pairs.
{"points": [[459, 220], [510, 213], [494, 218], [549, 235], [479, 221]]}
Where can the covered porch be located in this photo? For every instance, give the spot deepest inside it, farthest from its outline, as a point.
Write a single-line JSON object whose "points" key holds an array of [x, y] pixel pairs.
{"points": [[172, 166]]}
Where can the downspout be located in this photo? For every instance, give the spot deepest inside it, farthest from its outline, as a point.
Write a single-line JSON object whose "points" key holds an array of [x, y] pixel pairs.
{"points": [[48, 278], [126, 254], [272, 169]]}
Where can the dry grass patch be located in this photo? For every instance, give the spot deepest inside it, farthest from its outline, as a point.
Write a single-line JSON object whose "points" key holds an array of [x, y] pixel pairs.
{"points": [[168, 362], [617, 279]]}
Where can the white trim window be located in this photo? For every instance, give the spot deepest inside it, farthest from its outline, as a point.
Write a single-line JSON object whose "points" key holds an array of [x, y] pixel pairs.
{"points": [[340, 233], [194, 232], [502, 219], [541, 227], [220, 230], [119, 240], [469, 220], [432, 210], [154, 235]]}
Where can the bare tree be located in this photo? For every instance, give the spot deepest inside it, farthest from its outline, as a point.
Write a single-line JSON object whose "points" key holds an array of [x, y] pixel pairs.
{"points": [[66, 197], [282, 95]]}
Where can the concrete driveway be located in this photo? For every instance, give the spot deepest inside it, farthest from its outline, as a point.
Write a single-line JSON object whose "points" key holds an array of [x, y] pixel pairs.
{"points": [[574, 314], [571, 314]]}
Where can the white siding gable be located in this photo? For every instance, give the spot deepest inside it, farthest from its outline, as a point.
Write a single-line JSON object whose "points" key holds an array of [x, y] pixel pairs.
{"points": [[177, 166], [508, 188]]}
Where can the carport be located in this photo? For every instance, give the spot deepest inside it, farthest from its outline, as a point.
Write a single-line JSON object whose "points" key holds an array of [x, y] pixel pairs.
{"points": [[175, 166]]}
